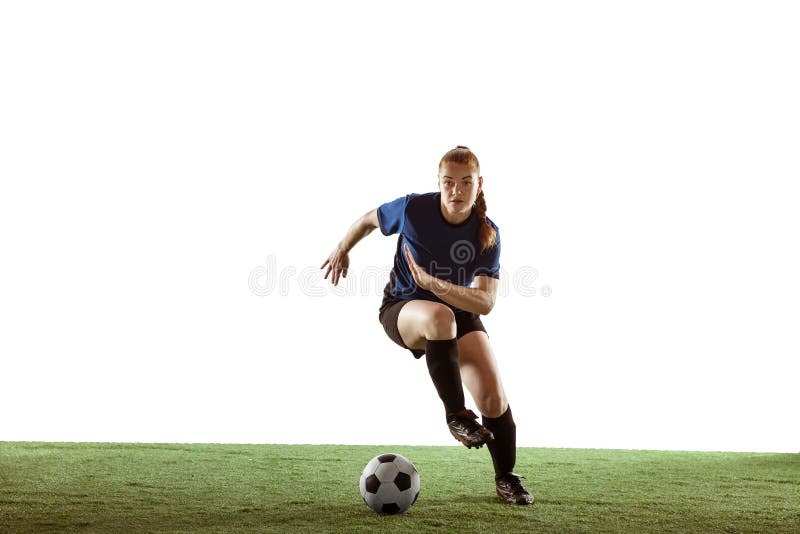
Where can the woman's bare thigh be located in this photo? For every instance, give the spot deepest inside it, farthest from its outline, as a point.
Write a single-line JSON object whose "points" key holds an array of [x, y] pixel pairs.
{"points": [[421, 320]]}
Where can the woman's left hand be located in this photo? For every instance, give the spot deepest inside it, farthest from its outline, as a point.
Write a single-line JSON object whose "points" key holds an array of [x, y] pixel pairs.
{"points": [[421, 277]]}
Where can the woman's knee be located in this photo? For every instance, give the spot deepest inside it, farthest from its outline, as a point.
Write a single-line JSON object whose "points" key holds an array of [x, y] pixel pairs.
{"points": [[441, 323], [421, 320], [492, 404]]}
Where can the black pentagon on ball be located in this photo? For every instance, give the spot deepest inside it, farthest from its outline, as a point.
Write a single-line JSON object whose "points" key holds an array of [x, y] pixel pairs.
{"points": [[386, 458], [415, 499], [403, 481], [390, 508], [372, 483]]}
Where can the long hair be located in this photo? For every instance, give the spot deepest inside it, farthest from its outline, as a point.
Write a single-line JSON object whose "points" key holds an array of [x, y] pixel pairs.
{"points": [[464, 156]]}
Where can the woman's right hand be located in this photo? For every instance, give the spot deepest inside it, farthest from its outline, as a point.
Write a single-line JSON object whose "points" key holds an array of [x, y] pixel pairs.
{"points": [[337, 262]]}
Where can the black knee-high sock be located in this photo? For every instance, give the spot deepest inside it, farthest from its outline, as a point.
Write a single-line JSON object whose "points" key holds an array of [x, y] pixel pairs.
{"points": [[442, 358], [504, 446]]}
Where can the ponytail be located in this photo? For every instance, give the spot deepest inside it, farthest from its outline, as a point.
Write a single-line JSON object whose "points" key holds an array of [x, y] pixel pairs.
{"points": [[486, 235]]}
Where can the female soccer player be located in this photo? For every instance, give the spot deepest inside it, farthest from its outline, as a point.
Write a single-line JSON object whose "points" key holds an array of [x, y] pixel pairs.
{"points": [[445, 276]]}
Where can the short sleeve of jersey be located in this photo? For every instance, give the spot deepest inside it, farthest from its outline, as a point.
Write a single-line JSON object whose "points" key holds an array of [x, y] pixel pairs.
{"points": [[488, 262], [392, 215]]}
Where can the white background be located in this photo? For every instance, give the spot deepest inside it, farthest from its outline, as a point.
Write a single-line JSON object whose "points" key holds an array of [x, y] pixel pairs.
{"points": [[174, 174]]}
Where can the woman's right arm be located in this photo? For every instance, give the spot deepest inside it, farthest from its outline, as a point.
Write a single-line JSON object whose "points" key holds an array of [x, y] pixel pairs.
{"points": [[338, 261], [359, 230]]}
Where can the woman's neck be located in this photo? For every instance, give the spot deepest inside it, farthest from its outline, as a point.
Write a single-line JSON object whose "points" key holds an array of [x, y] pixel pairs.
{"points": [[454, 218]]}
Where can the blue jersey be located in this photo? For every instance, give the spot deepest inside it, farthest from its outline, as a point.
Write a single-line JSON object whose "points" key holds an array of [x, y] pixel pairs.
{"points": [[445, 250]]}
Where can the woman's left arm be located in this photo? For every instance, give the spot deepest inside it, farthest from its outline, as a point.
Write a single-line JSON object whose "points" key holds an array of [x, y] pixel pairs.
{"points": [[479, 298]]}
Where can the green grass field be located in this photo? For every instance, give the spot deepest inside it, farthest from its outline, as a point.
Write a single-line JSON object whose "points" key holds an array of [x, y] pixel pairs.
{"points": [[95, 487]]}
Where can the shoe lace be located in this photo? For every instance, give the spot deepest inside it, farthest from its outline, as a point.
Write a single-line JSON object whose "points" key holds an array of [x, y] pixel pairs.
{"points": [[513, 480], [468, 418]]}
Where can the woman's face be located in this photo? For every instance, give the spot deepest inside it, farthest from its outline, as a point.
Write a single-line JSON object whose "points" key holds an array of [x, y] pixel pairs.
{"points": [[459, 185]]}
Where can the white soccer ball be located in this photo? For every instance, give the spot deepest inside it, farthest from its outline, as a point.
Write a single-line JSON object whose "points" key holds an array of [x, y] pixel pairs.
{"points": [[389, 484]]}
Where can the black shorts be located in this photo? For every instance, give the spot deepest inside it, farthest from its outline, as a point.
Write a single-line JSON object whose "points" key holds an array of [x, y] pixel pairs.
{"points": [[387, 315]]}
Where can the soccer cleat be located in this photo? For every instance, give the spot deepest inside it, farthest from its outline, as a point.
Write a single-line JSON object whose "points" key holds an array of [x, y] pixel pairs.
{"points": [[468, 431], [510, 489]]}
